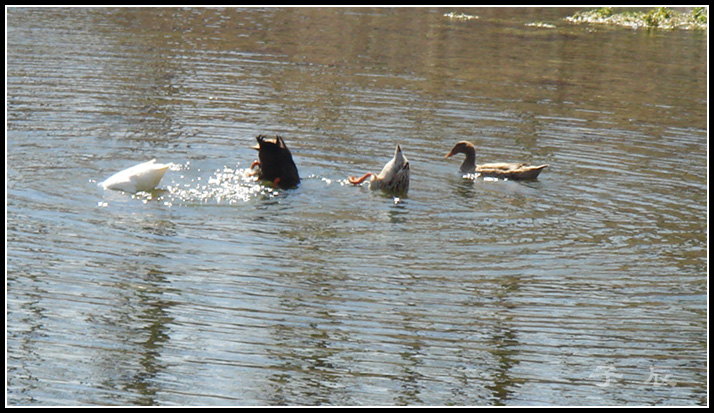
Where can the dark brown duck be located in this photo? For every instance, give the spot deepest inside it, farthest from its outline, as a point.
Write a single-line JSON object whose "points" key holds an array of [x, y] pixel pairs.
{"points": [[276, 162]]}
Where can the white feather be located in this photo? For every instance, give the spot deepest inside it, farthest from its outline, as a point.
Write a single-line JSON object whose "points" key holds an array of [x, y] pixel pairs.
{"points": [[142, 177]]}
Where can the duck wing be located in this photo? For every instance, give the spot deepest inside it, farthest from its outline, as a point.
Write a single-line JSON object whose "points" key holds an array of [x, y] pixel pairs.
{"points": [[510, 170]]}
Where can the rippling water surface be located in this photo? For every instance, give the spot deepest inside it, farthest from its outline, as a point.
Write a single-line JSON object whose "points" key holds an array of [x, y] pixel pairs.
{"points": [[585, 287]]}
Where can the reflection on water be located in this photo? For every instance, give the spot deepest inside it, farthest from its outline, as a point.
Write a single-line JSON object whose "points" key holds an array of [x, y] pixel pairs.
{"points": [[585, 287]]}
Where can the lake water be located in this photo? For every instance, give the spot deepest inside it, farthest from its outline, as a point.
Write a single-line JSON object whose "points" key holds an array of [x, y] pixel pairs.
{"points": [[587, 286]]}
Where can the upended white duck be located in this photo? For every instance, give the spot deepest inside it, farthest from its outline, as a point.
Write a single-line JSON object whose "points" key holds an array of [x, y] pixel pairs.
{"points": [[143, 177], [394, 177]]}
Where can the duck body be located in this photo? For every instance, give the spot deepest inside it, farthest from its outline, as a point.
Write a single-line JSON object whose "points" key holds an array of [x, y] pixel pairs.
{"points": [[143, 177], [276, 162], [515, 171], [394, 177]]}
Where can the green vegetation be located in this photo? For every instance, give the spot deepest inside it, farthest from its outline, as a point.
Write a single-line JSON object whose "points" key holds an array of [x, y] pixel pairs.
{"points": [[660, 18]]}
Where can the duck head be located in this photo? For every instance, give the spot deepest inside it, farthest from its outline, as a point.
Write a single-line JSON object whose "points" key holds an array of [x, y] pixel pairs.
{"points": [[468, 149]]}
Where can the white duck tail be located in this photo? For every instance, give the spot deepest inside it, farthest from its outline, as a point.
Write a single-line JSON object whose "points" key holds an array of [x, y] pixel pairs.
{"points": [[143, 177], [394, 177], [395, 174]]}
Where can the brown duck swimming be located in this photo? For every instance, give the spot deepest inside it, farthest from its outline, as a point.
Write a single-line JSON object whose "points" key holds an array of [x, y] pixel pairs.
{"points": [[275, 162], [515, 171], [394, 177]]}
